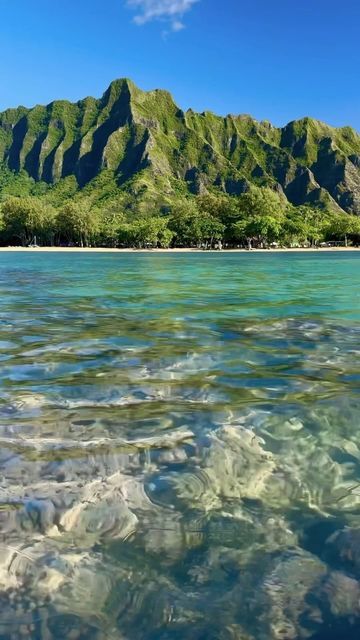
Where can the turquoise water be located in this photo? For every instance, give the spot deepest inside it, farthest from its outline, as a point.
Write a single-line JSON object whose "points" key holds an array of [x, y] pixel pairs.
{"points": [[180, 446]]}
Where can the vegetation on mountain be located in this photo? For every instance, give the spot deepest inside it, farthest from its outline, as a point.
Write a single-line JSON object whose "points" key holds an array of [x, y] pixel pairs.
{"points": [[132, 169]]}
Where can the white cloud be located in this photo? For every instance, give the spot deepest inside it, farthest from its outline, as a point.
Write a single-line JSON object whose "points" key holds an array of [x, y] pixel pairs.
{"points": [[167, 10]]}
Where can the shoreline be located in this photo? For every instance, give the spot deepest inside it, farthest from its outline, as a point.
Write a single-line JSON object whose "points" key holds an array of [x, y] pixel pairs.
{"points": [[175, 250]]}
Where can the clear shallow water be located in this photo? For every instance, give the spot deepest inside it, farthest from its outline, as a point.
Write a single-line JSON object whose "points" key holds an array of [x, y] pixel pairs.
{"points": [[179, 446]]}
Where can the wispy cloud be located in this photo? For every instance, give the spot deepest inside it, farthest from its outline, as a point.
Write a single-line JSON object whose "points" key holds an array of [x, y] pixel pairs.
{"points": [[171, 11]]}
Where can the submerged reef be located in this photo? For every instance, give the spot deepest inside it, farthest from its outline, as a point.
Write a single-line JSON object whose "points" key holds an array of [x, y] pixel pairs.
{"points": [[95, 544], [179, 496]]}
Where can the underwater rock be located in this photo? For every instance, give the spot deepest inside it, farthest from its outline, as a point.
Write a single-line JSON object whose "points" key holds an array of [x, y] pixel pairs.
{"points": [[314, 470], [302, 598], [41, 513], [234, 465], [50, 448], [100, 511], [342, 595], [344, 547], [287, 613], [87, 512], [51, 586]]}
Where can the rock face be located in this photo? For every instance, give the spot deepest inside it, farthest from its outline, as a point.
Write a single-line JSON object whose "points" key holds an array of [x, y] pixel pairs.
{"points": [[144, 141]]}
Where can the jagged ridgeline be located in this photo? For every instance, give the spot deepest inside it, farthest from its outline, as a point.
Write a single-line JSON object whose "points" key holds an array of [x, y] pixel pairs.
{"points": [[142, 143]]}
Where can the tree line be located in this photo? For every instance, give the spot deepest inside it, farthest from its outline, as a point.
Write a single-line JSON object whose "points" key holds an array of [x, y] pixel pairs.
{"points": [[260, 217]]}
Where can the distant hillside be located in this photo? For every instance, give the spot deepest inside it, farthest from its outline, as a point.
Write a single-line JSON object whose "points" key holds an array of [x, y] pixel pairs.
{"points": [[141, 143]]}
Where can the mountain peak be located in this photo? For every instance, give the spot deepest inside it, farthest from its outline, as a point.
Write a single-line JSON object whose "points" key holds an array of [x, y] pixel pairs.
{"points": [[142, 137]]}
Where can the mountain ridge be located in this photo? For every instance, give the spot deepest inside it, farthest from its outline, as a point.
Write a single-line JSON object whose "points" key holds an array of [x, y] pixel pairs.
{"points": [[146, 144]]}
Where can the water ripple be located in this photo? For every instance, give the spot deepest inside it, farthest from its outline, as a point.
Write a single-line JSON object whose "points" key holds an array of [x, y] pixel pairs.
{"points": [[177, 431]]}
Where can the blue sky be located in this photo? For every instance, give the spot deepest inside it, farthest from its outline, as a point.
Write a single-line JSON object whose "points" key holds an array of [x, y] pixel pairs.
{"points": [[276, 60]]}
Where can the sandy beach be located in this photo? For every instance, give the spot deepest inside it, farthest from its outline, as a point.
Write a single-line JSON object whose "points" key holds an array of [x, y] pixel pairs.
{"points": [[176, 250]]}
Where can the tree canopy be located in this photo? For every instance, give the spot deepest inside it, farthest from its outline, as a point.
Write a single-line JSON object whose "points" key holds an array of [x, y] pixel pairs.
{"points": [[260, 217]]}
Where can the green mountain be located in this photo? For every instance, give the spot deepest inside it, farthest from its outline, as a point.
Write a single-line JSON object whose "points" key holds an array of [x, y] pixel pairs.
{"points": [[141, 144]]}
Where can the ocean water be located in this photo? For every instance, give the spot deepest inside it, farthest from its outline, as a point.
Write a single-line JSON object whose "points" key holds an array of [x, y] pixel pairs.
{"points": [[180, 446]]}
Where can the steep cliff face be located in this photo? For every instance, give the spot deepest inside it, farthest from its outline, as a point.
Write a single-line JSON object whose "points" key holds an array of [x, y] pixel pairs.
{"points": [[143, 136]]}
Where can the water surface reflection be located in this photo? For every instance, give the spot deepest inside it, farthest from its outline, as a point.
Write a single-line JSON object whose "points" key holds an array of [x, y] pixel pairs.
{"points": [[179, 446]]}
